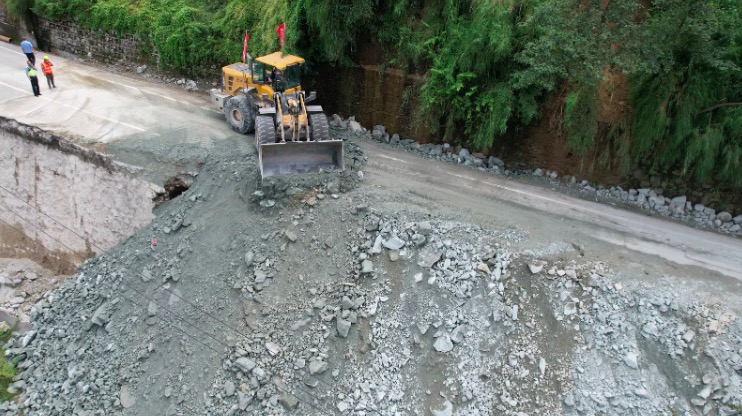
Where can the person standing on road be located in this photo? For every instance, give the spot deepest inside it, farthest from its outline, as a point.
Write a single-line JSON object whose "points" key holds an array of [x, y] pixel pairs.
{"points": [[31, 74], [46, 68], [28, 50]]}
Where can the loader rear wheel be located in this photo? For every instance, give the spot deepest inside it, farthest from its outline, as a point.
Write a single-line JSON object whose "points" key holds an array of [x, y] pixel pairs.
{"points": [[320, 127], [265, 131], [239, 114]]}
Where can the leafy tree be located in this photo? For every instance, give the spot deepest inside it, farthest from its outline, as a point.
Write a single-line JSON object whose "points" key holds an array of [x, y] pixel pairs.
{"points": [[19, 9], [686, 96]]}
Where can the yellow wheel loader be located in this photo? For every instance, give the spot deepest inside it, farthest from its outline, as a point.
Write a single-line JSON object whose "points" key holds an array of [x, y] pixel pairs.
{"points": [[264, 96]]}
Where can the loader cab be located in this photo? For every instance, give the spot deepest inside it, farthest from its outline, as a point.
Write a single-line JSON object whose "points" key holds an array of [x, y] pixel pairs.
{"points": [[278, 73]]}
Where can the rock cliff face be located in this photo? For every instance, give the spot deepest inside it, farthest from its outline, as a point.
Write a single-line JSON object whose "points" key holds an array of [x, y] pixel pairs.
{"points": [[52, 187]]}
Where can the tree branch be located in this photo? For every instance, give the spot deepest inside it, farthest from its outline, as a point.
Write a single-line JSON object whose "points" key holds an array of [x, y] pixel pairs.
{"points": [[714, 107]]}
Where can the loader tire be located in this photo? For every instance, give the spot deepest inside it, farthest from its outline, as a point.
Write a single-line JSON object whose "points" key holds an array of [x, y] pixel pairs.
{"points": [[239, 114], [320, 127], [265, 131]]}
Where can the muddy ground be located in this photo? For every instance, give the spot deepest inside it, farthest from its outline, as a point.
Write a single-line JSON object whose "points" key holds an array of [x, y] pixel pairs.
{"points": [[346, 296]]}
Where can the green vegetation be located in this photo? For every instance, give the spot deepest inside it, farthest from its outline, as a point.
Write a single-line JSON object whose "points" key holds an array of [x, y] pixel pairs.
{"points": [[7, 369], [490, 66]]}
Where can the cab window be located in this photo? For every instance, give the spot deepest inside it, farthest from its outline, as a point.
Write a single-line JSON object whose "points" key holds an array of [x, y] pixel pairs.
{"points": [[292, 76], [258, 73]]}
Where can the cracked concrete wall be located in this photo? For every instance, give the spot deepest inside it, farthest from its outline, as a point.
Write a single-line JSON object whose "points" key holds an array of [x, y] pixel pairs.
{"points": [[69, 202]]}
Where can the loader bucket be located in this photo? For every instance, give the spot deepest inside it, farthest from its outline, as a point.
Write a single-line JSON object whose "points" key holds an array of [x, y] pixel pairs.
{"points": [[300, 157]]}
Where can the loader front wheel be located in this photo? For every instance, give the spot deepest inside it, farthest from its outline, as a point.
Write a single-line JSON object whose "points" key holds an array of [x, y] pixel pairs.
{"points": [[265, 131], [239, 114], [320, 127]]}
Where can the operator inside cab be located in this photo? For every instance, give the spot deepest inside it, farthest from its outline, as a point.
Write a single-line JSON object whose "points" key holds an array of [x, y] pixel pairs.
{"points": [[277, 80]]}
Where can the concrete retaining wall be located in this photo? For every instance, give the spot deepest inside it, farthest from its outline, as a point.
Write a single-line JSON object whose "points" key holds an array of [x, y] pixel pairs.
{"points": [[69, 202]]}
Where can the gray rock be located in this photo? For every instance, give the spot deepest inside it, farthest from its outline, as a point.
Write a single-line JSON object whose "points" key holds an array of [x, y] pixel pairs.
{"points": [[542, 366], [243, 400], [737, 220], [698, 402], [443, 344], [191, 85], [102, 315], [126, 398], [641, 392], [346, 303], [679, 202], [418, 239], [260, 276], [570, 308], [428, 256], [650, 329], [724, 216], [705, 392], [249, 257], [343, 327], [229, 388], [330, 242], [28, 338], [394, 243], [258, 372], [288, 401], [141, 69], [631, 360], [311, 381], [291, 235], [535, 268], [425, 228], [317, 367], [355, 127], [245, 364], [457, 335], [367, 267], [446, 411], [372, 223], [393, 255], [152, 308], [464, 154], [496, 162]]}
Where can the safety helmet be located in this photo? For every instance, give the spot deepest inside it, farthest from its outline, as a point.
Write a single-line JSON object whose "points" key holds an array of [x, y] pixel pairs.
{"points": [[46, 58]]}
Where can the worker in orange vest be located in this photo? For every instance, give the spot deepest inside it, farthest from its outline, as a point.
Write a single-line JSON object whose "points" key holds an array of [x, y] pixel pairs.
{"points": [[46, 68]]}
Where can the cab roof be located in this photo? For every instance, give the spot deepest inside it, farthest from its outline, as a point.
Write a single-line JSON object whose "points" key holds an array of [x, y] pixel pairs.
{"points": [[279, 60]]}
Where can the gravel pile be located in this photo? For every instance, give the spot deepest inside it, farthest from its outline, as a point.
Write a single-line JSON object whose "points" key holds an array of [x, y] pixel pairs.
{"points": [[325, 303]]}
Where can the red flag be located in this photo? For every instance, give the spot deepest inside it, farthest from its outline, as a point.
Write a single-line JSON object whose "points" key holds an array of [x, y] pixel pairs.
{"points": [[244, 47], [281, 30]]}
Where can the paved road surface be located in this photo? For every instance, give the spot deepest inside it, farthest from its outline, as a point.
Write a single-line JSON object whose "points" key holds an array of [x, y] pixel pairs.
{"points": [[99, 107]]}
